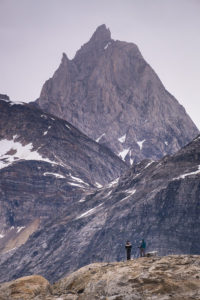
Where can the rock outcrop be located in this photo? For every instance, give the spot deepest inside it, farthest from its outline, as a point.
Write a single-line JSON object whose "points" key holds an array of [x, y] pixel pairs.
{"points": [[155, 200], [111, 94], [158, 278], [25, 288]]}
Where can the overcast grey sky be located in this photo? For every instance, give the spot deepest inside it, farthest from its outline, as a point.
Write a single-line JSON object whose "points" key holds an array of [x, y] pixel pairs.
{"points": [[35, 33]]}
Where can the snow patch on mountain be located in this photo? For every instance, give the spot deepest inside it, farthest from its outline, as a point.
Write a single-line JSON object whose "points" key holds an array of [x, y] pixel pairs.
{"points": [[89, 212], [78, 180], [188, 174], [67, 126], [20, 228], [98, 139], [197, 138], [122, 139], [15, 136], [148, 164], [76, 184], [140, 143], [124, 153], [12, 102], [43, 116], [47, 130], [106, 46], [131, 192], [98, 185], [113, 182], [54, 174], [12, 151]]}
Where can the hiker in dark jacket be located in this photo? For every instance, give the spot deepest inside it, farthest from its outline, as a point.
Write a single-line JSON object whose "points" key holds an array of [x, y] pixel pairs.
{"points": [[128, 247], [142, 248]]}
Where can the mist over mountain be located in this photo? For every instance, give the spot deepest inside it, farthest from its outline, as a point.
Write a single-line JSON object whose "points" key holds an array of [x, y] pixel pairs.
{"points": [[111, 94]]}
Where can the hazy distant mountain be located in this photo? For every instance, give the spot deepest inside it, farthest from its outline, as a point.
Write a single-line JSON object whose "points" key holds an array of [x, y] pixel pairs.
{"points": [[158, 201], [46, 165], [110, 93]]}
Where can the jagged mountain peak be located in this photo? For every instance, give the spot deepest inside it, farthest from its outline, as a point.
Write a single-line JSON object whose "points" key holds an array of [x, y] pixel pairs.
{"points": [[111, 93], [94, 48], [64, 56], [101, 33]]}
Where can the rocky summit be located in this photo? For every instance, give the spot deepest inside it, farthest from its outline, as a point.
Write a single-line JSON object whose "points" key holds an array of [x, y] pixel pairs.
{"points": [[155, 200], [156, 278], [112, 94]]}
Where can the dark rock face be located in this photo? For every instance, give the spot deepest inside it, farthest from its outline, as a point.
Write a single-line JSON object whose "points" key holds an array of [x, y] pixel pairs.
{"points": [[46, 165], [110, 93], [158, 201]]}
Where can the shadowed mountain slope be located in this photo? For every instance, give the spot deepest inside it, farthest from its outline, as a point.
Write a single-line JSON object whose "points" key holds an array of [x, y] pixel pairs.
{"points": [[46, 166]]}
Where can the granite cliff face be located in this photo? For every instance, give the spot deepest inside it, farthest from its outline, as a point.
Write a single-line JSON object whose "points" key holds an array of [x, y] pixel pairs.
{"points": [[46, 165], [155, 200], [158, 278], [110, 93]]}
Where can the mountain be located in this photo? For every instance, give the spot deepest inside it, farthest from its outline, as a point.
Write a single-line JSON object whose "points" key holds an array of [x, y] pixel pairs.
{"points": [[171, 277], [111, 94], [46, 166], [155, 200]]}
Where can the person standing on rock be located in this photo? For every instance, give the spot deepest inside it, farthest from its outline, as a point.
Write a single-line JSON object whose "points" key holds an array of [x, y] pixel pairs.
{"points": [[142, 248], [128, 247]]}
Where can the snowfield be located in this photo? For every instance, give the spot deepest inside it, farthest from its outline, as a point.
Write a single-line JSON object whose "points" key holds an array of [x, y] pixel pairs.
{"points": [[12, 151]]}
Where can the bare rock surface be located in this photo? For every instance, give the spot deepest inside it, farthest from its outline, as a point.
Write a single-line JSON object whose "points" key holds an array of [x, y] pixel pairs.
{"points": [[159, 278], [171, 277], [25, 288], [112, 94]]}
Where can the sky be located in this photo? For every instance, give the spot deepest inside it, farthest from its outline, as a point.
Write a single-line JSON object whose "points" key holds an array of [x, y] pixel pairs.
{"points": [[35, 33]]}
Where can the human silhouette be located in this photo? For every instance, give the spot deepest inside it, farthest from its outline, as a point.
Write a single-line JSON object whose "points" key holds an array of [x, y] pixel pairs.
{"points": [[128, 247], [142, 248]]}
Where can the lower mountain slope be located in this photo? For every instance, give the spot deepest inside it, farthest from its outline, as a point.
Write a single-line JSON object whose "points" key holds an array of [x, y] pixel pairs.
{"points": [[174, 277], [158, 201]]}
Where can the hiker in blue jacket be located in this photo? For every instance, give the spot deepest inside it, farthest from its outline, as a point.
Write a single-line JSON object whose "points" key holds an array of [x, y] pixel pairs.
{"points": [[142, 248]]}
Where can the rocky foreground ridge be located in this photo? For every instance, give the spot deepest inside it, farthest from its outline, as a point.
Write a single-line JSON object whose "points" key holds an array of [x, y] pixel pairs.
{"points": [[112, 94], [155, 278]]}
